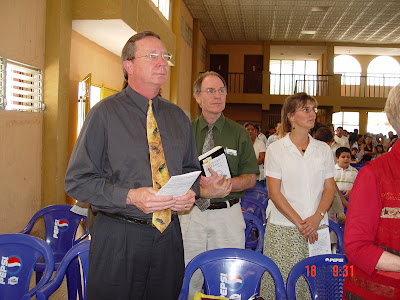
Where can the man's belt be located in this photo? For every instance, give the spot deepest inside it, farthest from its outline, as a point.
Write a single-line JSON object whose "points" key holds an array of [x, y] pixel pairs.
{"points": [[220, 205], [128, 219]]}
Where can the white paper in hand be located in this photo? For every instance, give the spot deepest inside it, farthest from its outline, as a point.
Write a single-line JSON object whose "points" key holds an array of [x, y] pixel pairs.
{"points": [[179, 185]]}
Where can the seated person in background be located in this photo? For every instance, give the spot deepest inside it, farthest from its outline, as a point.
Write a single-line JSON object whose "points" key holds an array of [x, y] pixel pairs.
{"points": [[368, 148], [345, 174], [393, 139], [379, 150], [355, 159], [360, 141]]}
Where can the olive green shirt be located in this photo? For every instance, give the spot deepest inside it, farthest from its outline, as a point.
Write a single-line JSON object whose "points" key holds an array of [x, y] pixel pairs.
{"points": [[236, 141]]}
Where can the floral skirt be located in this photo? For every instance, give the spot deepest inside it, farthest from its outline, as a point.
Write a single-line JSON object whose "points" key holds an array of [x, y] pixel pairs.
{"points": [[286, 247]]}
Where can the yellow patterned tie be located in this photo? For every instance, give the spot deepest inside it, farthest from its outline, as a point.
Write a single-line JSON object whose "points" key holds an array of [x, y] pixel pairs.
{"points": [[159, 170]]}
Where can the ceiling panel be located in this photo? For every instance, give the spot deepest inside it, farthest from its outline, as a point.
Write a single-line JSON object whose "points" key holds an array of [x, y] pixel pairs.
{"points": [[361, 21]]}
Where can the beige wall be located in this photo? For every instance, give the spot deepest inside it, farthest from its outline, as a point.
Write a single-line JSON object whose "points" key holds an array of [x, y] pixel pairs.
{"points": [[20, 164], [20, 132], [185, 67], [24, 40], [236, 53], [105, 67]]}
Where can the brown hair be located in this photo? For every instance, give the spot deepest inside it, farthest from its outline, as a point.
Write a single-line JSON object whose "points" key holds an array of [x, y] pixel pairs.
{"points": [[290, 106], [129, 50], [199, 81]]}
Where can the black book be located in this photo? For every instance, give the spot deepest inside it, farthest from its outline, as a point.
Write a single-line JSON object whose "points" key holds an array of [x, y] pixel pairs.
{"points": [[215, 159]]}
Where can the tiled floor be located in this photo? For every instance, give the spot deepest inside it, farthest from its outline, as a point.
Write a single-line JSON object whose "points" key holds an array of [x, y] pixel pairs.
{"points": [[60, 294]]}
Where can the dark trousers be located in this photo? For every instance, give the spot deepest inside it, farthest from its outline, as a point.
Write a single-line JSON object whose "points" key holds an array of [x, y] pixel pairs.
{"points": [[135, 261]]}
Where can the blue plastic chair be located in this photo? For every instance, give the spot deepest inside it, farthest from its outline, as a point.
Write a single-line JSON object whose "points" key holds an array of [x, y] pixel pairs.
{"points": [[19, 254], [255, 207], [82, 251], [258, 192], [61, 226], [324, 274], [254, 232], [340, 237], [231, 271]]}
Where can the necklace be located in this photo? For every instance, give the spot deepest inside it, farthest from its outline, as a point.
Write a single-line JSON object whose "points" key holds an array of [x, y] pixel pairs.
{"points": [[302, 149]]}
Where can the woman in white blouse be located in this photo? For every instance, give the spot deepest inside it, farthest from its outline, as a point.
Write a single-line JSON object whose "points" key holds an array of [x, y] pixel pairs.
{"points": [[299, 172]]}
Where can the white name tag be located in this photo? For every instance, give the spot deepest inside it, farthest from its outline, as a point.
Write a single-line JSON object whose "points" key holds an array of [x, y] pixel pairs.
{"points": [[230, 151]]}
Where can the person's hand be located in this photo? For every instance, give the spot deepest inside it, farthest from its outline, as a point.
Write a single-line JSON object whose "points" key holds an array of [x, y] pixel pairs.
{"points": [[347, 194], [308, 227], [312, 238], [184, 202], [146, 200], [206, 181], [219, 188]]}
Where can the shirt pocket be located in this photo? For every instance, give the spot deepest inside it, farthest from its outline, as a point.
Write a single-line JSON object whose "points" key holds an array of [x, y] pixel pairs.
{"points": [[233, 161]]}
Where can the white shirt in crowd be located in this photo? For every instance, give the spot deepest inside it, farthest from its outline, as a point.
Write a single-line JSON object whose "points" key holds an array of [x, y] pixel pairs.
{"points": [[259, 146], [302, 177], [262, 138], [345, 178]]}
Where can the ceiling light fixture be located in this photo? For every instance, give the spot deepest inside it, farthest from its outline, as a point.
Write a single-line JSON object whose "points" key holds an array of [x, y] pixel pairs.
{"points": [[320, 8], [308, 32]]}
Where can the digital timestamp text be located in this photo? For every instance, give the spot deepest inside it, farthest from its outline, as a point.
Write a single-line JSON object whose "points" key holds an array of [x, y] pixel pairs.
{"points": [[337, 271]]}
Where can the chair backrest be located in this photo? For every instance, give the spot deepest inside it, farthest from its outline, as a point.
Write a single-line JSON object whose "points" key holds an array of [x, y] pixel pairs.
{"points": [[232, 273], [260, 197], [255, 207], [324, 274], [19, 254], [61, 226], [254, 224], [80, 250], [340, 237]]}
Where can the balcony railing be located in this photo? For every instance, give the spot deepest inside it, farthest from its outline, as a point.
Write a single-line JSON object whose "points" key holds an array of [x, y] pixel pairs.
{"points": [[245, 83], [368, 86], [286, 84], [315, 85]]}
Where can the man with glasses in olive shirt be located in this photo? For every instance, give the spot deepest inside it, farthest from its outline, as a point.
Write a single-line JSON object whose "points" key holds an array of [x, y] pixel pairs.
{"points": [[110, 169], [219, 224]]}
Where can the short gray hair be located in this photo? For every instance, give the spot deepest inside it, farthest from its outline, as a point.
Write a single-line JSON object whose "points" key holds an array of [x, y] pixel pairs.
{"points": [[392, 108], [199, 81], [129, 50]]}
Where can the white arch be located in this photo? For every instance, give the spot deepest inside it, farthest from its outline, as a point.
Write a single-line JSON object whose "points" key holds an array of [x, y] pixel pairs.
{"points": [[349, 67], [383, 71]]}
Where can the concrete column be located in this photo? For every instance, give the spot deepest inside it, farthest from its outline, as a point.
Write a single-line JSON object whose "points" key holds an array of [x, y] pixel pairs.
{"points": [[56, 92], [176, 29], [332, 86], [194, 107], [363, 122], [266, 71]]}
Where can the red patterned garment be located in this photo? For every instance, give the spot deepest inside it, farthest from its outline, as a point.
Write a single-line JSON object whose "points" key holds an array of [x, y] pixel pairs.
{"points": [[373, 226]]}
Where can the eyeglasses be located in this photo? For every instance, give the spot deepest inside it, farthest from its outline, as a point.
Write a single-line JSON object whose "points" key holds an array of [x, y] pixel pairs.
{"points": [[212, 91], [308, 110], [153, 56]]}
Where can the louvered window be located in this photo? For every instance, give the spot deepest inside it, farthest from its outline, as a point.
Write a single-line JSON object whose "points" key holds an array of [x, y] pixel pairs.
{"points": [[21, 87]]}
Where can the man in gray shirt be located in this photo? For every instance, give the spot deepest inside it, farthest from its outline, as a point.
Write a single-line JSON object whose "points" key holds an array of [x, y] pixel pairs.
{"points": [[110, 169]]}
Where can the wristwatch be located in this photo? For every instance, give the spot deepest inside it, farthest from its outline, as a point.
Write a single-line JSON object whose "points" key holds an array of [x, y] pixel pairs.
{"points": [[321, 213]]}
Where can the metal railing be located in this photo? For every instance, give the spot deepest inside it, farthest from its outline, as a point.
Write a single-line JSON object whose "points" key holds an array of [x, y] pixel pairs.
{"points": [[286, 84], [316, 85], [319, 86], [245, 83], [368, 86]]}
